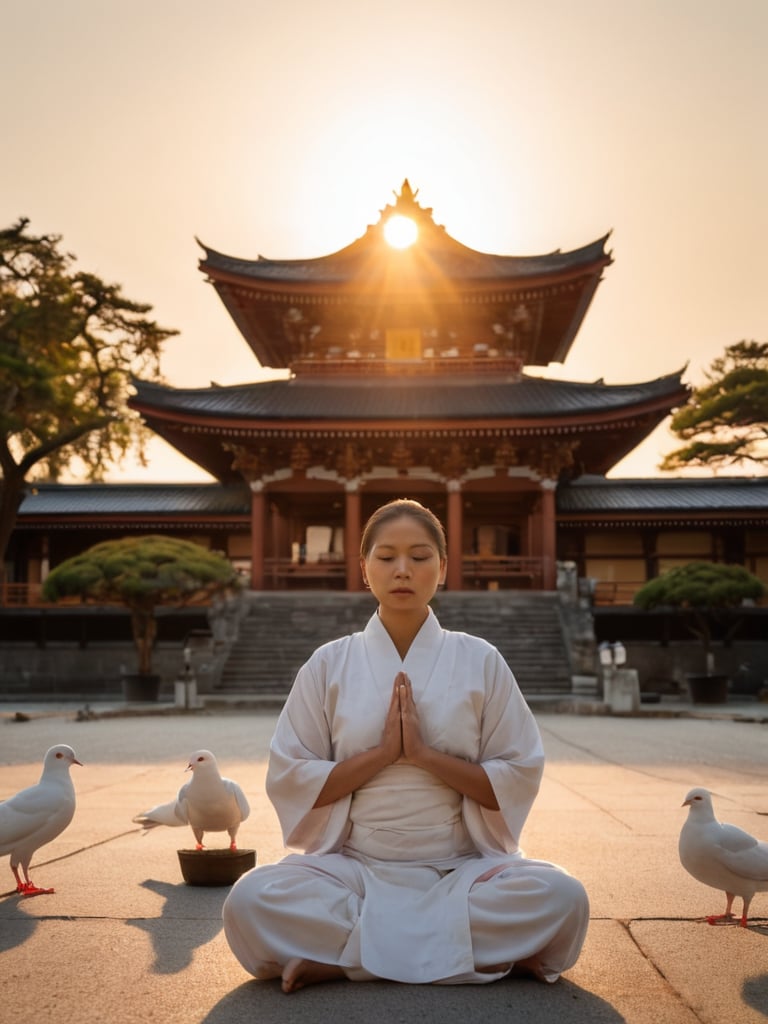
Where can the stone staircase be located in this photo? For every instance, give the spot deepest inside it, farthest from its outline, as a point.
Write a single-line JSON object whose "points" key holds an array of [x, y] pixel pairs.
{"points": [[280, 630]]}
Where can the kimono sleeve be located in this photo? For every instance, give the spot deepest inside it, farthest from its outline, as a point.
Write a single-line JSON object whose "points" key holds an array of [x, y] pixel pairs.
{"points": [[512, 755], [299, 764]]}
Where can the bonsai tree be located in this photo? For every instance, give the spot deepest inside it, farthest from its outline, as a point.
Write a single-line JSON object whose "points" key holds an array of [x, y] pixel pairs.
{"points": [[703, 589], [142, 573]]}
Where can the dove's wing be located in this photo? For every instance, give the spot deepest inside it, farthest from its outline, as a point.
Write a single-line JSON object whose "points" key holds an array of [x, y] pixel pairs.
{"points": [[734, 839], [742, 854], [17, 821], [31, 809], [242, 803]]}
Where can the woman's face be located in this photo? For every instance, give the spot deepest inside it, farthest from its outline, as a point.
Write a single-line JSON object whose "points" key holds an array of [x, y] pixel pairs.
{"points": [[403, 567]]}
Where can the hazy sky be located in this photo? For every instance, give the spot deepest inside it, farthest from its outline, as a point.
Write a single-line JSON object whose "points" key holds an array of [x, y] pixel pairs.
{"points": [[284, 128]]}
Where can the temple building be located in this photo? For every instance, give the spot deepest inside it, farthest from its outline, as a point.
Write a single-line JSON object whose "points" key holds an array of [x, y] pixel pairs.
{"points": [[407, 377], [411, 373]]}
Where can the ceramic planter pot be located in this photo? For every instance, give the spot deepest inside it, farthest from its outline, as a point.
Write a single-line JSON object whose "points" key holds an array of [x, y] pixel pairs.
{"points": [[141, 689], [708, 689], [215, 867]]}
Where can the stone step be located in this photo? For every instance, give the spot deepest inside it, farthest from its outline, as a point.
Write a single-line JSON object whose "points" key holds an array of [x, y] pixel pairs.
{"points": [[280, 631]]}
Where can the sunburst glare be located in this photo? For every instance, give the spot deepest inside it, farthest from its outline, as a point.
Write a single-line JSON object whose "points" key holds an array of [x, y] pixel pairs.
{"points": [[400, 232]]}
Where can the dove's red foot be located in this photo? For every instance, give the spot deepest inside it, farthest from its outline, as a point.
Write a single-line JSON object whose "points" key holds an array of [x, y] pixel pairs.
{"points": [[233, 846], [743, 923], [720, 919], [30, 889], [198, 846]]}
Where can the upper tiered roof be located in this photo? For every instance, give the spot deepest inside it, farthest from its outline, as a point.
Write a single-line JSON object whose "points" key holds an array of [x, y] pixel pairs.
{"points": [[420, 348], [437, 305]]}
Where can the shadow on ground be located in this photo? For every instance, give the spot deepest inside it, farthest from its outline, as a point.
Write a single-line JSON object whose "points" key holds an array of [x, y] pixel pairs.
{"points": [[173, 946], [515, 1000], [16, 930], [755, 993]]}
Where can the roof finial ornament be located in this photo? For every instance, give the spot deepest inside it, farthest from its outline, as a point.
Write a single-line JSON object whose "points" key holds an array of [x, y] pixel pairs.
{"points": [[406, 193], [406, 205]]}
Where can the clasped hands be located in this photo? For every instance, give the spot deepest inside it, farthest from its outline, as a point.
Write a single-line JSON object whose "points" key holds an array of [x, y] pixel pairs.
{"points": [[402, 739]]}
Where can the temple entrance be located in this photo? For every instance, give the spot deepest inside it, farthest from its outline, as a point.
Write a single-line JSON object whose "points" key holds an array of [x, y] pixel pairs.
{"points": [[489, 540], [494, 530]]}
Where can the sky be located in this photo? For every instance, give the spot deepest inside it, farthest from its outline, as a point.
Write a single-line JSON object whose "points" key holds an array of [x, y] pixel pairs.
{"points": [[284, 129]]}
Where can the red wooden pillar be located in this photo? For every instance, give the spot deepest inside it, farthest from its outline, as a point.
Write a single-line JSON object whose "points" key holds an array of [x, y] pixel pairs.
{"points": [[454, 530], [548, 535], [354, 579], [257, 536]]}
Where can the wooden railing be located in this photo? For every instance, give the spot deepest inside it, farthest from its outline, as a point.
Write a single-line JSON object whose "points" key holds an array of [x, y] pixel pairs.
{"points": [[285, 574], [608, 592], [21, 595], [430, 365], [482, 570]]}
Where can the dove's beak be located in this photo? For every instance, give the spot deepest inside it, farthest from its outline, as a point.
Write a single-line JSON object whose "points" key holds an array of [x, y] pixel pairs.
{"points": [[75, 761], [686, 803]]}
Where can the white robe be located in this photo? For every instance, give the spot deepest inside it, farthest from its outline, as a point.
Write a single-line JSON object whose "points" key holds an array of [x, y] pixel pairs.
{"points": [[407, 846]]}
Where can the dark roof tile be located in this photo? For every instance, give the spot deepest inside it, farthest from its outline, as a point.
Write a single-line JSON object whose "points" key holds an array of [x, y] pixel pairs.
{"points": [[135, 499], [454, 259], [600, 495], [588, 494], [417, 397]]}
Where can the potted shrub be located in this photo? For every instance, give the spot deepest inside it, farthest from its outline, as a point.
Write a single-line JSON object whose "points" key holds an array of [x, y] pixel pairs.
{"points": [[703, 591], [142, 573]]}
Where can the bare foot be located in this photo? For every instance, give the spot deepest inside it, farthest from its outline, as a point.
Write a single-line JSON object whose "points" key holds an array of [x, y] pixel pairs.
{"points": [[527, 969], [494, 969], [298, 973], [266, 970]]}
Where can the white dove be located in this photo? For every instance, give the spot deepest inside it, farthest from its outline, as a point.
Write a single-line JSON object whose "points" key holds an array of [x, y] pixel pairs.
{"points": [[36, 815], [723, 856], [207, 803]]}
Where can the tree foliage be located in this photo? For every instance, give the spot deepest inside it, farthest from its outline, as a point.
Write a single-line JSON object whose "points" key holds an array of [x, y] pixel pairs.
{"points": [[69, 343], [142, 573], [700, 585], [725, 422], [702, 590]]}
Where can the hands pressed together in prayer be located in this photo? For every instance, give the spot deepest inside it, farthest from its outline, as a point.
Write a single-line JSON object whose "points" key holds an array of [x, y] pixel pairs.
{"points": [[402, 741]]}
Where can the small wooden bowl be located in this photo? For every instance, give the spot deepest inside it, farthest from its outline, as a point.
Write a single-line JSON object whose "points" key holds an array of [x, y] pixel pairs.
{"points": [[215, 867]]}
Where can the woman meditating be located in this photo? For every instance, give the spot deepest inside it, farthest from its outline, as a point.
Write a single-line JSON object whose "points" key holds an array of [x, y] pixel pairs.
{"points": [[404, 765]]}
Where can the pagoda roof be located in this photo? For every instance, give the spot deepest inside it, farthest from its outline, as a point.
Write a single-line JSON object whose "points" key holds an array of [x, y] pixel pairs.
{"points": [[130, 500], [618, 416], [593, 500], [455, 296], [596, 496], [456, 261], [325, 400]]}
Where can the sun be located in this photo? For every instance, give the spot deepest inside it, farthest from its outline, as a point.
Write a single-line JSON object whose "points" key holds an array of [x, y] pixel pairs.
{"points": [[400, 232]]}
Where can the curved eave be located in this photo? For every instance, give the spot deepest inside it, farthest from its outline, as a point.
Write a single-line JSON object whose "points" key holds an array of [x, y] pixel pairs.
{"points": [[606, 432], [370, 275], [257, 306], [351, 266], [322, 400], [675, 500]]}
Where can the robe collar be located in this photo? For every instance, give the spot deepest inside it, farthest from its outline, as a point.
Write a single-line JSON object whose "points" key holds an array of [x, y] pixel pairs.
{"points": [[419, 661]]}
